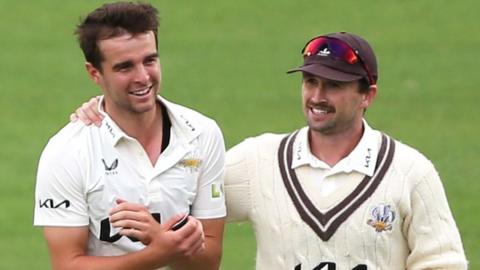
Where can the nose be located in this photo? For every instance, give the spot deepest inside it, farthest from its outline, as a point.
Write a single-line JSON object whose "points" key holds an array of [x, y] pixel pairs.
{"points": [[141, 74], [318, 93]]}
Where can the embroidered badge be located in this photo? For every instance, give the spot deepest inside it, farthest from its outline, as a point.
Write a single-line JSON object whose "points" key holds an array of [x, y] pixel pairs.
{"points": [[191, 163], [382, 218]]}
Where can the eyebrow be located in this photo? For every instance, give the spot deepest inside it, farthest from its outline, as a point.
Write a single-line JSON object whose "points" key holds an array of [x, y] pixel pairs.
{"points": [[122, 65], [152, 55], [129, 63]]}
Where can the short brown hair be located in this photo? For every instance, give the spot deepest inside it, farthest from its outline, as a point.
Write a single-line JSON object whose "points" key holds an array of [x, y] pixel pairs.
{"points": [[363, 85], [112, 20]]}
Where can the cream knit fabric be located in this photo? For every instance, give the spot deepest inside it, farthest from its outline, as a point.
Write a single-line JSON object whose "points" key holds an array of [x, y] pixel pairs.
{"points": [[405, 223]]}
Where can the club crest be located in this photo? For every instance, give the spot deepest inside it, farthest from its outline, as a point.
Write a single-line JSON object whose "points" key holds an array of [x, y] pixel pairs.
{"points": [[382, 218], [191, 163]]}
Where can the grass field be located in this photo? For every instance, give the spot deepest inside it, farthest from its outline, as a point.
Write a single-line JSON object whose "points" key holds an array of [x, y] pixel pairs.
{"points": [[228, 59]]}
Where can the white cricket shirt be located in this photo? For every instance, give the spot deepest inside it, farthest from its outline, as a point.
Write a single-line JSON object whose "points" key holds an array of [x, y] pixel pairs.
{"points": [[84, 169]]}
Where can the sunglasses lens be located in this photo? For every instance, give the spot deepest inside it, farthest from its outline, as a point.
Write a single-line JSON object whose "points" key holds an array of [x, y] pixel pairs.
{"points": [[343, 51], [335, 48], [332, 47], [314, 46]]}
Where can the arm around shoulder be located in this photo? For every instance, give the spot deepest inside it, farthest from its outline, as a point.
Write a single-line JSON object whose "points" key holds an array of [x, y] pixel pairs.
{"points": [[238, 176]]}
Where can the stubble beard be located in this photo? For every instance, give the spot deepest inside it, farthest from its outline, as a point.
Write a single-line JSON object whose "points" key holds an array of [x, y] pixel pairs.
{"points": [[332, 126], [144, 108], [325, 129]]}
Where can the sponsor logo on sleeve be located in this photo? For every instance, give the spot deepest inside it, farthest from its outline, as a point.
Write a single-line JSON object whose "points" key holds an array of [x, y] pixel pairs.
{"points": [[51, 204], [217, 190]]}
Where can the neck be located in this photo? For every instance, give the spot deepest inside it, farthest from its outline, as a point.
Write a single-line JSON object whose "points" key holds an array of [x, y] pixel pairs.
{"points": [[331, 148], [146, 128]]}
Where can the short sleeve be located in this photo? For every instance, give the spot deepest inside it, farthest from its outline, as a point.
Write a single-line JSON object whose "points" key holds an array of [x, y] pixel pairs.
{"points": [[210, 200], [59, 192]]}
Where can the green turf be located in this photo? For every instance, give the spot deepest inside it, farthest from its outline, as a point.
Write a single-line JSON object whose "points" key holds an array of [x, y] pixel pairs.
{"points": [[228, 59]]}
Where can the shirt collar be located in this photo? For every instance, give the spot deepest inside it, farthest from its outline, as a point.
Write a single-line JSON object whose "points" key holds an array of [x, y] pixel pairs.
{"points": [[109, 128], [184, 125], [185, 122], [362, 159]]}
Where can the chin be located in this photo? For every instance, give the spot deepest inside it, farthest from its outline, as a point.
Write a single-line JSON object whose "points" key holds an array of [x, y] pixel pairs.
{"points": [[323, 128], [144, 108]]}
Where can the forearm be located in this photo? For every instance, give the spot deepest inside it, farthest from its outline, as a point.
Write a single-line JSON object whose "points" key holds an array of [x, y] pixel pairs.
{"points": [[141, 260], [209, 259]]}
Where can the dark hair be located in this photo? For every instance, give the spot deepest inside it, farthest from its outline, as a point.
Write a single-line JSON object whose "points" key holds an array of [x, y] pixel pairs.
{"points": [[112, 20], [363, 85]]}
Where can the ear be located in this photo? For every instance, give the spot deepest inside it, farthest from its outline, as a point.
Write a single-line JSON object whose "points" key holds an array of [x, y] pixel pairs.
{"points": [[93, 73], [369, 96]]}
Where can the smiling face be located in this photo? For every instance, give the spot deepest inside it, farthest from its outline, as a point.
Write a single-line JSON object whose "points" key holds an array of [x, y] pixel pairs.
{"points": [[130, 75], [333, 107]]}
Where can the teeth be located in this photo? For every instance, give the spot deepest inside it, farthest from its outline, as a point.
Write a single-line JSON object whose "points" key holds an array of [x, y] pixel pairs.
{"points": [[141, 92], [319, 111]]}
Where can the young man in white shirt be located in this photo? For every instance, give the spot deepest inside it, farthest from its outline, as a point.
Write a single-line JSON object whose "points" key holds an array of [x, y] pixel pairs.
{"points": [[115, 197]]}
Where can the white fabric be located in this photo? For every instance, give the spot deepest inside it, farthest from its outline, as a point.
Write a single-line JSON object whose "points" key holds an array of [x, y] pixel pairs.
{"points": [[423, 233], [91, 167], [361, 160]]}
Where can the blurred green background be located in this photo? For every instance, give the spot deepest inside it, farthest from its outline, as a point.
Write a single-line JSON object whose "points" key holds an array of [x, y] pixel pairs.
{"points": [[228, 59]]}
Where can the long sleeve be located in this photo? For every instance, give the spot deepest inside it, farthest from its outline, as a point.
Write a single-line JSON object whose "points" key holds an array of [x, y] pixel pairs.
{"points": [[432, 234]]}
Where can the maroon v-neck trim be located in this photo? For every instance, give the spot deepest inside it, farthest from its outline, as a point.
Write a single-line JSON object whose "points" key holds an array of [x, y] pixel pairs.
{"points": [[325, 224]]}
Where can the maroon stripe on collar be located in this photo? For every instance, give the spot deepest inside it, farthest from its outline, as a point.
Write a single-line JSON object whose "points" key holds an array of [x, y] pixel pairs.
{"points": [[325, 224]]}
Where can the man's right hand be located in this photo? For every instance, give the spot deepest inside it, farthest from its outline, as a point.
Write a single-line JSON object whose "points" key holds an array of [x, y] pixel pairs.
{"points": [[88, 113], [136, 221]]}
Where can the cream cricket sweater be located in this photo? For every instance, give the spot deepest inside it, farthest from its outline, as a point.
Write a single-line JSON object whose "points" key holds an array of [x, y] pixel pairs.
{"points": [[395, 218]]}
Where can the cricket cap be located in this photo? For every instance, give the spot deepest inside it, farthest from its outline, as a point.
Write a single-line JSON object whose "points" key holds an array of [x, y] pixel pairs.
{"points": [[339, 56]]}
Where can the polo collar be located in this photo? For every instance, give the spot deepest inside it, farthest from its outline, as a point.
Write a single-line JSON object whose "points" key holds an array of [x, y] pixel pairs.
{"points": [[185, 122], [362, 159], [184, 126], [109, 128]]}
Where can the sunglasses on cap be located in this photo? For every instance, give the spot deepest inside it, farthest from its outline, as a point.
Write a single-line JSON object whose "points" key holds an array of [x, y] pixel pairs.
{"points": [[335, 48]]}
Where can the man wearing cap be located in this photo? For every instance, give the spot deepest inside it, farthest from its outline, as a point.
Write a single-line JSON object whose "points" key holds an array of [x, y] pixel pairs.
{"points": [[338, 194]]}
